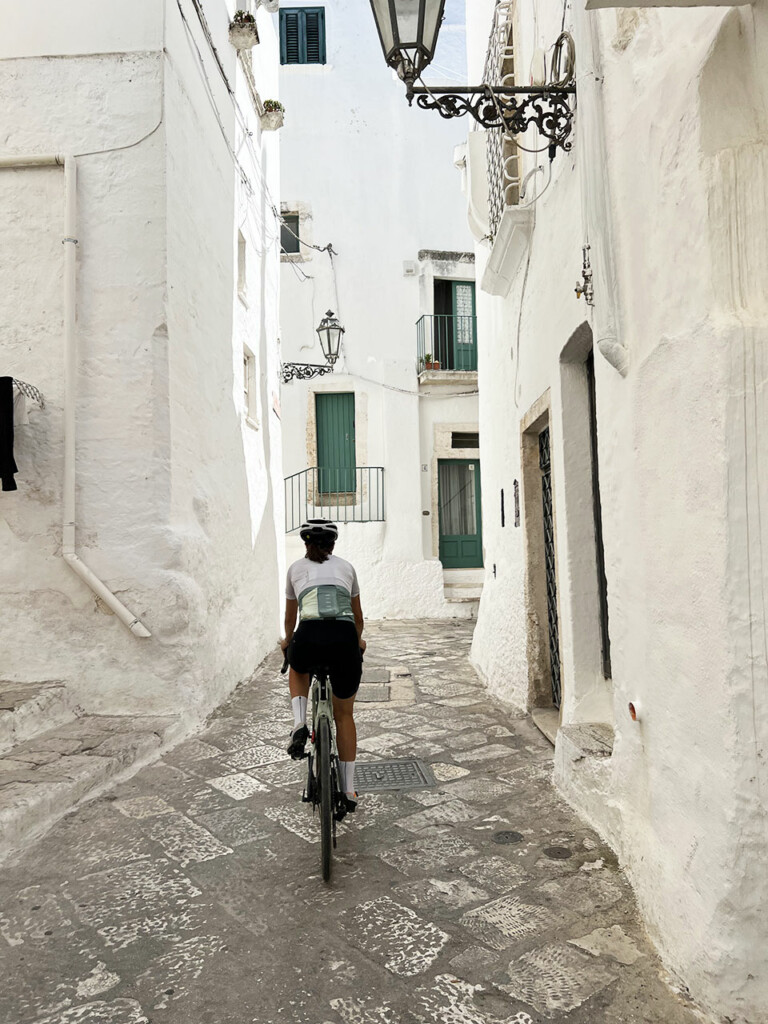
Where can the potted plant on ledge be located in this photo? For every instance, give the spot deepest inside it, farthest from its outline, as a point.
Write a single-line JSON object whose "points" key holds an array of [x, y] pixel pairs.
{"points": [[273, 116], [427, 360], [243, 33]]}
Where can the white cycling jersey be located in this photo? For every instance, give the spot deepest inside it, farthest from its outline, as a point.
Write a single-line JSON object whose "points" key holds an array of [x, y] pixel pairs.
{"points": [[324, 590]]}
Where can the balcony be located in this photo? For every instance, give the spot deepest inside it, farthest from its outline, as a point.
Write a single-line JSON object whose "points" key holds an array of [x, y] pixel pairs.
{"points": [[446, 344], [349, 494]]}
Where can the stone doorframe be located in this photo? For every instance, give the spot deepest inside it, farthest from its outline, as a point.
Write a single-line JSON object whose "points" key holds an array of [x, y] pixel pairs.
{"points": [[323, 387], [537, 632], [442, 449]]}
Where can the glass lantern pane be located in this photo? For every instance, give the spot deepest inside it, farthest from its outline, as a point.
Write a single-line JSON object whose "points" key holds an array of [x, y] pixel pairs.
{"points": [[381, 12], [407, 12], [433, 16]]}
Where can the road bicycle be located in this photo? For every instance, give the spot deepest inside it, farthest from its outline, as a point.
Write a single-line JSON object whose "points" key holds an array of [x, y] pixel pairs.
{"points": [[322, 789]]}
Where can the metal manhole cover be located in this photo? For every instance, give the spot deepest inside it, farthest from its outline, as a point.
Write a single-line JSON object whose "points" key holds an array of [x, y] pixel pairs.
{"points": [[507, 837], [405, 773], [557, 852]]}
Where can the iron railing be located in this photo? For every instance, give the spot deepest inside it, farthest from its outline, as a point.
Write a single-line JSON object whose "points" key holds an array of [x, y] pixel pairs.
{"points": [[343, 494], [503, 157], [448, 340]]}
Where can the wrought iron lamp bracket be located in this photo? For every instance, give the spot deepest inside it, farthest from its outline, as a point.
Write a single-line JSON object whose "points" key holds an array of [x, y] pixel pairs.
{"points": [[513, 108], [303, 371]]}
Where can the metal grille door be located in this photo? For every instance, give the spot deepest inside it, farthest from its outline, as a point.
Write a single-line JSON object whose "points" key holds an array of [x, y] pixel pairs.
{"points": [[549, 564]]}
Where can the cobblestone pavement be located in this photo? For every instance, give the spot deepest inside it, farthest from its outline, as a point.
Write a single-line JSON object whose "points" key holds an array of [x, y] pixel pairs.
{"points": [[192, 893]]}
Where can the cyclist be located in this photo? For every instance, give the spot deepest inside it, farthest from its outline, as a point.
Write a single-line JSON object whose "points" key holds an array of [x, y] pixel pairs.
{"points": [[323, 589]]}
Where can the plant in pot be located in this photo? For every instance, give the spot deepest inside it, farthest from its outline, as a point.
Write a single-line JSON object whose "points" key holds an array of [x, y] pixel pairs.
{"points": [[273, 116], [436, 364], [428, 361], [243, 33]]}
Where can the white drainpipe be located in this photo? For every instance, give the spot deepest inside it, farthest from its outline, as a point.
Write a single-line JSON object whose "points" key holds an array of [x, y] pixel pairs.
{"points": [[70, 377]]}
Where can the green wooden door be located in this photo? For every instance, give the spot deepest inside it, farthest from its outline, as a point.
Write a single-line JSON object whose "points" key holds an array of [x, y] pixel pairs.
{"points": [[336, 442], [464, 333], [461, 540]]}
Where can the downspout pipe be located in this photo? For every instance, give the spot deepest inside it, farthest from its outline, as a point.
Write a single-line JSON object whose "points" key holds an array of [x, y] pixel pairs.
{"points": [[69, 553]]}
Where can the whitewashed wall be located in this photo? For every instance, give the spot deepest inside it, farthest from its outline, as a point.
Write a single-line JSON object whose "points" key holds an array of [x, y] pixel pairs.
{"points": [[378, 181], [176, 501], [682, 473]]}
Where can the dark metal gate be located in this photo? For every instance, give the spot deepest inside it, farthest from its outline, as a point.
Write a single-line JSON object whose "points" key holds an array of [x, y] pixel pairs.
{"points": [[549, 563]]}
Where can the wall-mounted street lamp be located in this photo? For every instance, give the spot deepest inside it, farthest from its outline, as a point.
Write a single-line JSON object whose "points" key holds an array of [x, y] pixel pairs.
{"points": [[408, 30], [329, 332]]}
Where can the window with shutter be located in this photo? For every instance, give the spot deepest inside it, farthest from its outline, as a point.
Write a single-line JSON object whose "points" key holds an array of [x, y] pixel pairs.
{"points": [[302, 35]]}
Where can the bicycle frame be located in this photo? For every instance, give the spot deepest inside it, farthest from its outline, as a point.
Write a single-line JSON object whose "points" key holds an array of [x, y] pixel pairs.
{"points": [[321, 696]]}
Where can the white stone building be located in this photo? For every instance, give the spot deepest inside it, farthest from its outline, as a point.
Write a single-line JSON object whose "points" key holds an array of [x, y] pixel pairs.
{"points": [[644, 416], [373, 178], [140, 295]]}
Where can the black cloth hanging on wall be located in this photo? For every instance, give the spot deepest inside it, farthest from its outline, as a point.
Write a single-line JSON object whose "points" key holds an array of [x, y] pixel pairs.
{"points": [[7, 462]]}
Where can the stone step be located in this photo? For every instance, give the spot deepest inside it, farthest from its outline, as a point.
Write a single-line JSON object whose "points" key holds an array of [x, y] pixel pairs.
{"points": [[27, 709], [46, 776], [463, 591]]}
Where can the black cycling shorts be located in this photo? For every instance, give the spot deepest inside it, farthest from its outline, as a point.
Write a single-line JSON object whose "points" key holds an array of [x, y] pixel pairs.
{"points": [[331, 643]]}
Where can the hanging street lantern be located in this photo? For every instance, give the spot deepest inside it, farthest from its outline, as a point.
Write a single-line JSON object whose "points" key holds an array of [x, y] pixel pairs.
{"points": [[329, 332], [408, 30]]}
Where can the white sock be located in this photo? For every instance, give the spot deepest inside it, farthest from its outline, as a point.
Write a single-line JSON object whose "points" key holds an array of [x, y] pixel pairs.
{"points": [[299, 705], [349, 777]]}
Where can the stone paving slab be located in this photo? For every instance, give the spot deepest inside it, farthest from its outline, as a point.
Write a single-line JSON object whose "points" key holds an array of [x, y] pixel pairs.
{"points": [[192, 891]]}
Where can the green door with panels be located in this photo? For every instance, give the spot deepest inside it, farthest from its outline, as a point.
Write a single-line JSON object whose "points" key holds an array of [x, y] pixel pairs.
{"points": [[460, 522], [335, 416], [464, 341]]}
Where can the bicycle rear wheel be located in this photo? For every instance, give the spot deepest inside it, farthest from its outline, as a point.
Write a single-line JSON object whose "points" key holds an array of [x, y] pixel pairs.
{"points": [[326, 796]]}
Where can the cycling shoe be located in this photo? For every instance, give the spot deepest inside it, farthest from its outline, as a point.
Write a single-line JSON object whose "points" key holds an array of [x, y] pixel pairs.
{"points": [[299, 739]]}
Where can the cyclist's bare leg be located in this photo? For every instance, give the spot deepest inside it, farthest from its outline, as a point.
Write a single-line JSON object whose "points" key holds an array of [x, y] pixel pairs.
{"points": [[346, 732], [298, 683]]}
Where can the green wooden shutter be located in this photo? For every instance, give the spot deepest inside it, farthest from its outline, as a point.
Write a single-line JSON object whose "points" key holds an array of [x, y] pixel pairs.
{"points": [[314, 34], [302, 35], [335, 414], [290, 31]]}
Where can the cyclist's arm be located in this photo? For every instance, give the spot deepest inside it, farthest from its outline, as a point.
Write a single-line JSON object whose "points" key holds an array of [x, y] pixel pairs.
{"points": [[291, 611], [357, 611]]}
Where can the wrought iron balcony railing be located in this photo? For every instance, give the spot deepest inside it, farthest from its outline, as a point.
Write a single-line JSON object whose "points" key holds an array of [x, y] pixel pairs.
{"points": [[343, 494], [450, 341]]}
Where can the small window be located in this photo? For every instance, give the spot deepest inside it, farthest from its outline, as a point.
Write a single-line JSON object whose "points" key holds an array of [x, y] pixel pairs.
{"points": [[289, 234], [241, 268], [465, 440], [302, 35], [250, 402]]}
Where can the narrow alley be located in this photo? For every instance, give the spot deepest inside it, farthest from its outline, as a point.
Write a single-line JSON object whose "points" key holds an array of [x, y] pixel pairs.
{"points": [[192, 892]]}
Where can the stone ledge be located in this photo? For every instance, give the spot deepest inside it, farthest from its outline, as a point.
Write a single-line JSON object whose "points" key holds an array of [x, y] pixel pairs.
{"points": [[588, 739], [44, 778], [23, 706]]}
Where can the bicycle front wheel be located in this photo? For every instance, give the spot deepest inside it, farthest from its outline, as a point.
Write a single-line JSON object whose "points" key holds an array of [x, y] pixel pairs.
{"points": [[326, 795]]}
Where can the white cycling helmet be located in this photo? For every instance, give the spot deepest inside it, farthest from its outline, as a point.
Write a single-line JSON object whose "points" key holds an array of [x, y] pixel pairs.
{"points": [[319, 531]]}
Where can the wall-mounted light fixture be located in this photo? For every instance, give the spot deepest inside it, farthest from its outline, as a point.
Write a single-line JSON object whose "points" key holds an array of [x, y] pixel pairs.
{"points": [[329, 332], [408, 30]]}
